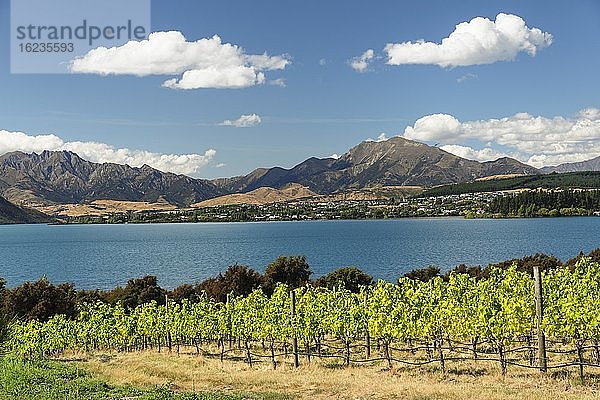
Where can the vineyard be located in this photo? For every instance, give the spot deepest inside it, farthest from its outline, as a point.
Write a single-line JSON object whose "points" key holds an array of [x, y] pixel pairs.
{"points": [[410, 323]]}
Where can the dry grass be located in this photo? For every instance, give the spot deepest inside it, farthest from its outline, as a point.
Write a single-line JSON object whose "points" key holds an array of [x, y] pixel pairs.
{"points": [[371, 193], [330, 381], [296, 192], [260, 196], [100, 208], [500, 176]]}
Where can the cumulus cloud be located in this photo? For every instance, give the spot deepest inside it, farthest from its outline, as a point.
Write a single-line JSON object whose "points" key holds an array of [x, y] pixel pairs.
{"points": [[433, 127], [536, 140], [485, 154], [479, 41], [236, 77], [361, 63], [188, 164], [245, 121], [200, 64]]}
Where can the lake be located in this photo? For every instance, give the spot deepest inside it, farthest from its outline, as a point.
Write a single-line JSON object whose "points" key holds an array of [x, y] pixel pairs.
{"points": [[103, 256]]}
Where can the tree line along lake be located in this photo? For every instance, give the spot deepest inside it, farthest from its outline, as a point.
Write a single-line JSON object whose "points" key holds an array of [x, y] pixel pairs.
{"points": [[104, 256]]}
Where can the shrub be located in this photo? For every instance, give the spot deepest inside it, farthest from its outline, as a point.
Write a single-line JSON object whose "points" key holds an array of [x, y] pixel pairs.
{"points": [[350, 278]]}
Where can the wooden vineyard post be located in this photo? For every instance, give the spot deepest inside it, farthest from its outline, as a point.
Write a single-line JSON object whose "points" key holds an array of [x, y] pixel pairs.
{"points": [[230, 338], [169, 343], [539, 314], [294, 338]]}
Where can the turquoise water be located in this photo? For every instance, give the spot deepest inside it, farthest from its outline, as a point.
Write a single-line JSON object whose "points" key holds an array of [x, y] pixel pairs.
{"points": [[103, 256]]}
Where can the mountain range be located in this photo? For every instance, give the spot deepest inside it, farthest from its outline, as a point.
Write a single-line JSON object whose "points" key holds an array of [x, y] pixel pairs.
{"points": [[393, 162], [589, 165], [64, 177]]}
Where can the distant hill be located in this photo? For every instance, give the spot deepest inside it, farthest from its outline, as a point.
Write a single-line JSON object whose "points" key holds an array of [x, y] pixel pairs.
{"points": [[372, 193], [12, 214], [263, 195], [99, 208], [393, 162], [63, 177], [589, 165], [586, 180]]}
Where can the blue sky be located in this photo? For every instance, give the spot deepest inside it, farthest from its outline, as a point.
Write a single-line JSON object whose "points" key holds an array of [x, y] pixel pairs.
{"points": [[326, 106]]}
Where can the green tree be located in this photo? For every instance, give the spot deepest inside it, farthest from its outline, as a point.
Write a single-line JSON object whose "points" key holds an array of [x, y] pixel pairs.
{"points": [[423, 274], [40, 300], [185, 291], [350, 278], [526, 264], [474, 271], [143, 290], [593, 255], [238, 280], [90, 296], [293, 271]]}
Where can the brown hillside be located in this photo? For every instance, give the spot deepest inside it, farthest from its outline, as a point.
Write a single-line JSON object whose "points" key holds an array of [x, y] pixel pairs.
{"points": [[262, 195]]}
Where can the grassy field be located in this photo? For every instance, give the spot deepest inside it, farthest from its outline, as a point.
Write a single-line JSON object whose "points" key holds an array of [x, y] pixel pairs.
{"points": [[153, 376], [60, 380], [189, 373]]}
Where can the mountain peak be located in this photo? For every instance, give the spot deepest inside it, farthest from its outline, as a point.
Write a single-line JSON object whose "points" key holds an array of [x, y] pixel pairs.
{"points": [[58, 153], [394, 140]]}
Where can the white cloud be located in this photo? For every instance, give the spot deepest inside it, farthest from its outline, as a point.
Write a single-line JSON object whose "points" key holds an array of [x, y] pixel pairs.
{"points": [[361, 63], [268, 63], [466, 77], [204, 63], [322, 62], [485, 154], [433, 127], [188, 164], [381, 138], [479, 41], [245, 121], [590, 113], [536, 140], [236, 77], [278, 82]]}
